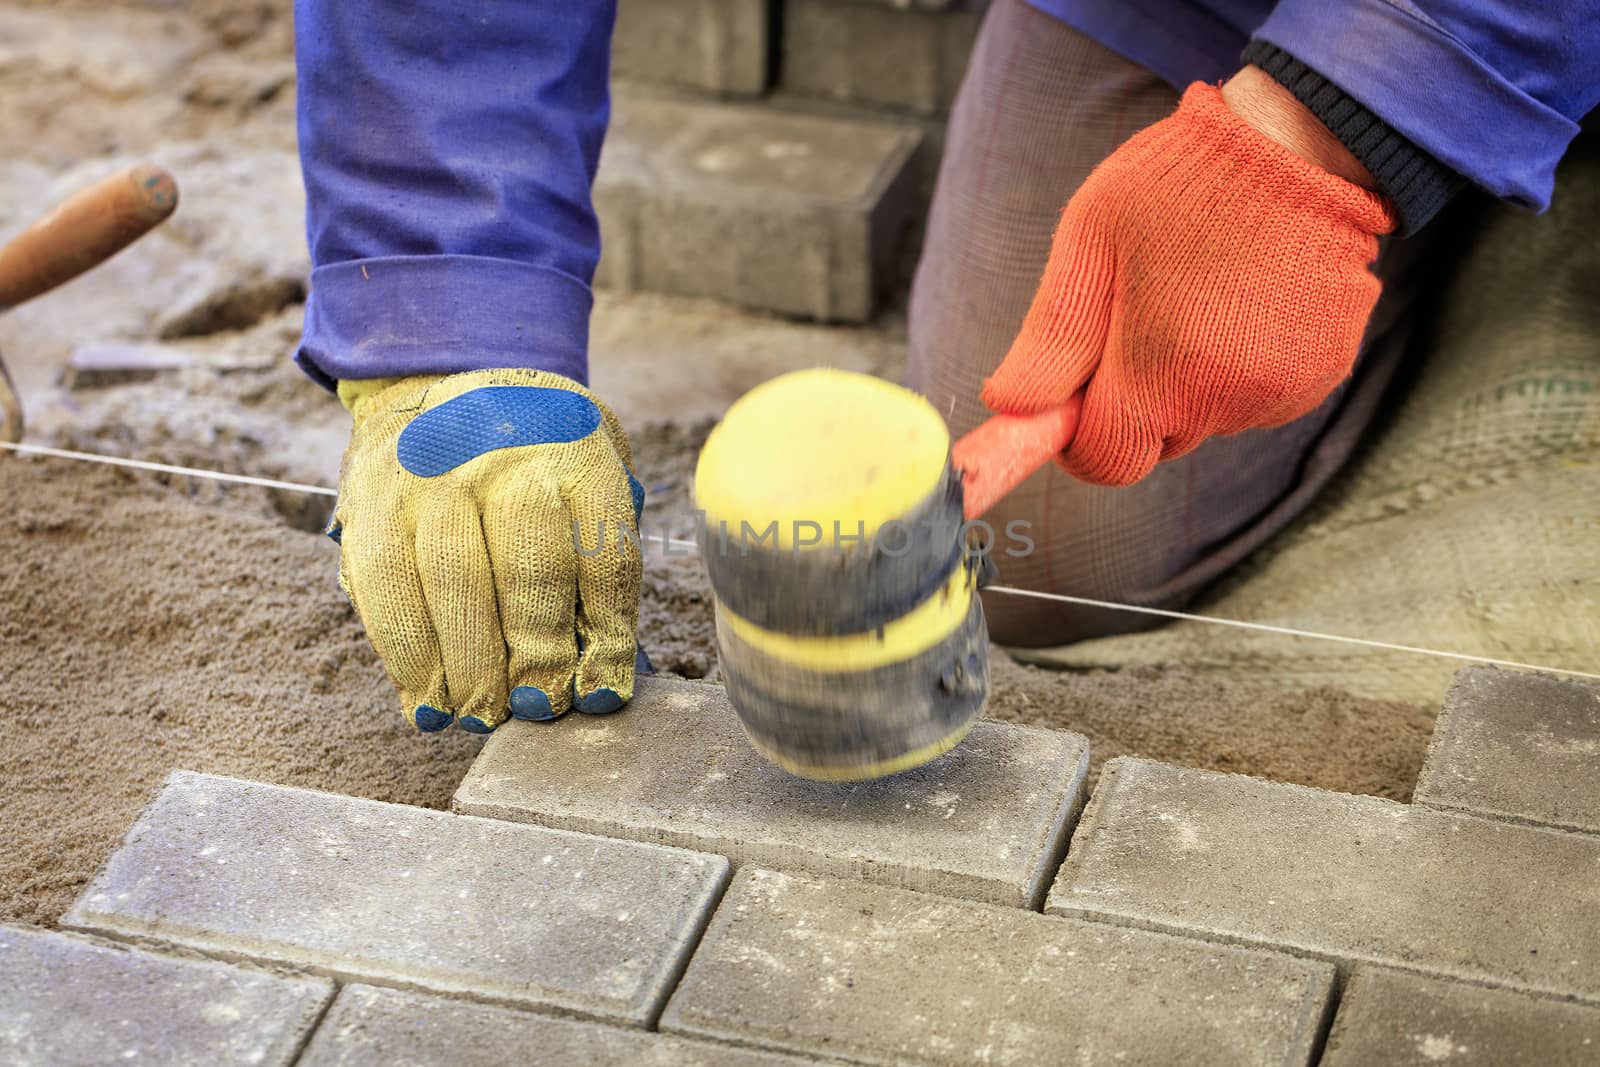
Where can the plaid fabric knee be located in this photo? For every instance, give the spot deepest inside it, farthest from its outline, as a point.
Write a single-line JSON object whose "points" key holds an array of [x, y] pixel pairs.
{"points": [[1041, 106]]}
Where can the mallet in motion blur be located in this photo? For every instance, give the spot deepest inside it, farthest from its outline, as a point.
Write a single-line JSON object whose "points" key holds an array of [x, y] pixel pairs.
{"points": [[851, 636]]}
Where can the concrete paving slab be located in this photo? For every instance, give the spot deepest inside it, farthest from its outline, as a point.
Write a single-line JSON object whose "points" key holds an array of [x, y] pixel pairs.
{"points": [[1524, 747], [876, 975], [1402, 1020], [712, 46], [406, 896], [835, 49], [988, 821], [371, 1027], [1348, 878], [106, 363], [784, 212], [69, 1001]]}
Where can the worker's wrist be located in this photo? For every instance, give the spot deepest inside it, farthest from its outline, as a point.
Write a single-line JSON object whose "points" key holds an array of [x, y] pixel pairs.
{"points": [[1417, 185], [1271, 110]]}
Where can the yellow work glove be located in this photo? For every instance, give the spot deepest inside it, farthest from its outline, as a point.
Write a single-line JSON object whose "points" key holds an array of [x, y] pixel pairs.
{"points": [[488, 537]]}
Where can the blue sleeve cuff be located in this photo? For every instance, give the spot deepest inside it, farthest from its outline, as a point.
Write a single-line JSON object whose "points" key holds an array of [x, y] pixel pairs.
{"points": [[1432, 88], [443, 314]]}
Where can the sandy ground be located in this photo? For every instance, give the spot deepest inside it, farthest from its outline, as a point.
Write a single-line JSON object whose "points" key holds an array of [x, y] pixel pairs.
{"points": [[154, 623]]}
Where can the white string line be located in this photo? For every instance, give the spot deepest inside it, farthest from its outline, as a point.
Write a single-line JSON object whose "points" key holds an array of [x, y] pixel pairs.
{"points": [[167, 468], [1287, 631]]}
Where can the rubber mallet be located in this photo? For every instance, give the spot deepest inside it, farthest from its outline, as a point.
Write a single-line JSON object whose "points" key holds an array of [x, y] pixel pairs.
{"points": [[850, 631]]}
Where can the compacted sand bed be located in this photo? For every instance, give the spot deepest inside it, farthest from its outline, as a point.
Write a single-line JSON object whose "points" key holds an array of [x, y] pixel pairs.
{"points": [[152, 626]]}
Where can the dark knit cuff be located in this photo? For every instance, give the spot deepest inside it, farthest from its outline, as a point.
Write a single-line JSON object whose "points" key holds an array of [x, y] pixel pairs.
{"points": [[1417, 184]]}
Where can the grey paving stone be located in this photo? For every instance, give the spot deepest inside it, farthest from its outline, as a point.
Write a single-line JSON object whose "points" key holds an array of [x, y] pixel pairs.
{"points": [[107, 363], [988, 821], [783, 212], [1349, 878], [878, 975], [371, 1027], [713, 46], [877, 55], [1524, 747], [67, 1001], [1386, 1017], [406, 896]]}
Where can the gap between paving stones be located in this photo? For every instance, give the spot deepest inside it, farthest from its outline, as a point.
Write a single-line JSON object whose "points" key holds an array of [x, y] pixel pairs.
{"points": [[156, 944], [809, 965], [152, 944], [1498, 818], [371, 1026], [74, 998]]}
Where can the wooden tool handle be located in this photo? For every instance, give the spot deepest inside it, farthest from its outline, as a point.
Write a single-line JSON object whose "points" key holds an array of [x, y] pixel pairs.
{"points": [[90, 227], [996, 457], [10, 409]]}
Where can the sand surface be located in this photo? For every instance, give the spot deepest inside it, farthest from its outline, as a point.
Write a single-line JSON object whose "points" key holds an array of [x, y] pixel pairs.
{"points": [[153, 625], [144, 632], [1319, 737]]}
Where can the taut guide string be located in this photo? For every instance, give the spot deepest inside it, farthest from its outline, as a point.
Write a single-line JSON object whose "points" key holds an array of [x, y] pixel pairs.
{"points": [[1287, 631]]}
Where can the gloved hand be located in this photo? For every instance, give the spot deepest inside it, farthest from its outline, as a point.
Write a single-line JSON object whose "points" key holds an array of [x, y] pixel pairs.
{"points": [[1203, 280], [462, 500]]}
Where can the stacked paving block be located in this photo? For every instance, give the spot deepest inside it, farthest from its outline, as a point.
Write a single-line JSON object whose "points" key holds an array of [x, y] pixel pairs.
{"points": [[642, 889], [782, 212], [805, 203], [718, 47], [897, 57]]}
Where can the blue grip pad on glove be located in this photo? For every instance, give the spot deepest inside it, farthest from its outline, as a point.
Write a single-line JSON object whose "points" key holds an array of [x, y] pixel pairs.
{"points": [[497, 416]]}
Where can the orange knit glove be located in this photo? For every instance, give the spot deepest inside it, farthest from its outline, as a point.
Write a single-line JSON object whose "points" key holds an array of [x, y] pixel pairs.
{"points": [[1204, 280]]}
